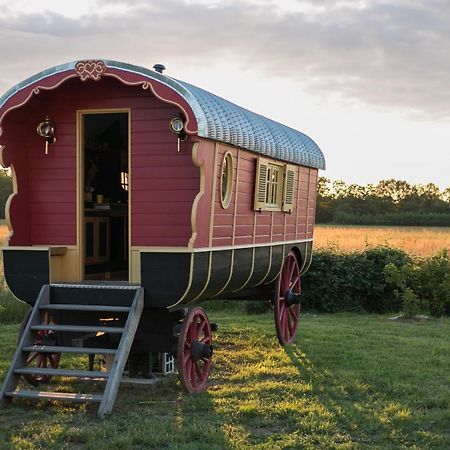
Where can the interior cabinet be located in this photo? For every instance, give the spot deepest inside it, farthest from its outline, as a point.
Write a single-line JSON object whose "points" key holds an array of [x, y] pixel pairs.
{"points": [[97, 230]]}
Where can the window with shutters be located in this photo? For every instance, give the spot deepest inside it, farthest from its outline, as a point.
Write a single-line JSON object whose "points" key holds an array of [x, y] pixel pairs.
{"points": [[274, 187]]}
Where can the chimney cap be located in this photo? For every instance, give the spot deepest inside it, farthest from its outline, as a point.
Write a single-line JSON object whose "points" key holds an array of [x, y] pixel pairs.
{"points": [[159, 68]]}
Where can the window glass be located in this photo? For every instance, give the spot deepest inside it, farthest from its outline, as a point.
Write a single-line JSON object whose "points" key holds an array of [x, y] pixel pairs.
{"points": [[226, 180]]}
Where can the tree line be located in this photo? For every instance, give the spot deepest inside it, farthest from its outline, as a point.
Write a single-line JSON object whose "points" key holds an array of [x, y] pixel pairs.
{"points": [[390, 202], [5, 190]]}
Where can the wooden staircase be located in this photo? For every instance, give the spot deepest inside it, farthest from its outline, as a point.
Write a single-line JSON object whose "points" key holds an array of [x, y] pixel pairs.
{"points": [[132, 315]]}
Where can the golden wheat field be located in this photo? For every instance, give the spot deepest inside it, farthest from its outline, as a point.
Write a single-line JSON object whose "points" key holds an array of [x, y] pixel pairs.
{"points": [[413, 240]]}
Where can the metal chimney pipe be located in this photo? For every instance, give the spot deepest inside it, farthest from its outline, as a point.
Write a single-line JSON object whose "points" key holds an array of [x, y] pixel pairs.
{"points": [[159, 68]]}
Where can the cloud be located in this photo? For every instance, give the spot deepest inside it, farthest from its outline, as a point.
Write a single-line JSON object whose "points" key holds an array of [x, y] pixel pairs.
{"points": [[390, 54]]}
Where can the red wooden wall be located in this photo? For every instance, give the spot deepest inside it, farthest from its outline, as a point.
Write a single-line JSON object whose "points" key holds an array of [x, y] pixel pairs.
{"points": [[239, 224], [164, 182]]}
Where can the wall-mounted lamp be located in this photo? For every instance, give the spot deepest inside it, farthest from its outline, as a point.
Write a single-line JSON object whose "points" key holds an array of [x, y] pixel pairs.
{"points": [[46, 129], [177, 126]]}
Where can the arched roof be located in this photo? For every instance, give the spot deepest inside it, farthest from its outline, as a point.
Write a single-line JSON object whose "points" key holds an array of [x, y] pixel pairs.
{"points": [[217, 118]]}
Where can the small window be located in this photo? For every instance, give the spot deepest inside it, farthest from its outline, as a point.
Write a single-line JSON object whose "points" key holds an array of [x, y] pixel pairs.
{"points": [[274, 187], [124, 180], [226, 180], [273, 182]]}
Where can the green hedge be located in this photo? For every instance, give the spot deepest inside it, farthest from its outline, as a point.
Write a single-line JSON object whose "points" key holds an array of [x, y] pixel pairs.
{"points": [[358, 281], [428, 219]]}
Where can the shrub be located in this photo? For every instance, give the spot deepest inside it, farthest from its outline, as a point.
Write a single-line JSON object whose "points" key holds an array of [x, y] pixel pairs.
{"points": [[399, 276], [424, 279], [338, 281]]}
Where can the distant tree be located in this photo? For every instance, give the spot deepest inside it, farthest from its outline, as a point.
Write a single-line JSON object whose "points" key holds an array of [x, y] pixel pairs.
{"points": [[391, 201], [5, 191]]}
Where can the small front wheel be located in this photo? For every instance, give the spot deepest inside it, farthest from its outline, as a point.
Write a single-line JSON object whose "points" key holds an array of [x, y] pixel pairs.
{"points": [[194, 351], [41, 360]]}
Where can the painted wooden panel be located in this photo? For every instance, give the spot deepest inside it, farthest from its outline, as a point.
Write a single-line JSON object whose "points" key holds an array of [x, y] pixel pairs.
{"points": [[239, 224], [164, 182], [223, 221]]}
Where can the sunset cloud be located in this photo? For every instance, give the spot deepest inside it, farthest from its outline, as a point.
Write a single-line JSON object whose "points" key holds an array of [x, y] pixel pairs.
{"points": [[367, 78], [393, 54]]}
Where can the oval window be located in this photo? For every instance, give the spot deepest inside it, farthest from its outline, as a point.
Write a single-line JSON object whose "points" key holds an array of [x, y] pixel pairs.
{"points": [[226, 180]]}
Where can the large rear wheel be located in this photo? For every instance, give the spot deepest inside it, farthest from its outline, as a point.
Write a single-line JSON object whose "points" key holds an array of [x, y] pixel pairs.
{"points": [[287, 300]]}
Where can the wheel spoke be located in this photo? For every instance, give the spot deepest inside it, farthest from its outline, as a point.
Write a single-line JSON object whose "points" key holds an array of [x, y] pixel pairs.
{"points": [[294, 313], [54, 360], [198, 371], [285, 328], [291, 272], [281, 312], [192, 375], [205, 339], [289, 326], [32, 357]]}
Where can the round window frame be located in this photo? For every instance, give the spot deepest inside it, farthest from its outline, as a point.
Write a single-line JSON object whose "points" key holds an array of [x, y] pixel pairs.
{"points": [[226, 200]]}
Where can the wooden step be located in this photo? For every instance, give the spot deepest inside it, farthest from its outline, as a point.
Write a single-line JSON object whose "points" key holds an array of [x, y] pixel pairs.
{"points": [[62, 372], [72, 307], [77, 328], [124, 286], [75, 350], [67, 396]]}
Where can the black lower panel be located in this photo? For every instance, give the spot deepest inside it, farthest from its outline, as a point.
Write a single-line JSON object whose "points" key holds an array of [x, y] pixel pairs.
{"points": [[242, 269], [165, 277], [26, 271], [199, 275], [276, 263], [260, 266], [239, 274], [220, 272]]}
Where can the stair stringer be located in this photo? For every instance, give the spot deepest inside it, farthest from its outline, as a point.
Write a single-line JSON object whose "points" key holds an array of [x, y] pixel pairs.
{"points": [[123, 350], [27, 339]]}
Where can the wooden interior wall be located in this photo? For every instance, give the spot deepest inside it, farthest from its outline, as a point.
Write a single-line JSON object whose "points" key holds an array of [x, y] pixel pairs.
{"points": [[164, 182]]}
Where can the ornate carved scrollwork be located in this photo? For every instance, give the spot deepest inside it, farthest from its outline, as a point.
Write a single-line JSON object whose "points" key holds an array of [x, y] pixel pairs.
{"points": [[93, 69]]}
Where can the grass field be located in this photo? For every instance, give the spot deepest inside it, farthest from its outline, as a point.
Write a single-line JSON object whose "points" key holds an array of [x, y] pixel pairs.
{"points": [[413, 240], [350, 382]]}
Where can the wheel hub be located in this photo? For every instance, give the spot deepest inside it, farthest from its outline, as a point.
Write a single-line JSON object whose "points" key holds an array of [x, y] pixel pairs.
{"points": [[291, 298], [200, 351]]}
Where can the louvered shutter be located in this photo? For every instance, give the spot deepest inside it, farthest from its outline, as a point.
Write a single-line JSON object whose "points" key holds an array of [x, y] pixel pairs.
{"points": [[288, 191], [261, 185]]}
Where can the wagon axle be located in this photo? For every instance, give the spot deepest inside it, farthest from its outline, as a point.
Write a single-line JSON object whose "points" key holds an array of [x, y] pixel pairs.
{"points": [[291, 298], [200, 351]]}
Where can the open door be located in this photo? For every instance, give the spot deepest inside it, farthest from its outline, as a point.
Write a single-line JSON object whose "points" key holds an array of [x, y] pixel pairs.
{"points": [[105, 212]]}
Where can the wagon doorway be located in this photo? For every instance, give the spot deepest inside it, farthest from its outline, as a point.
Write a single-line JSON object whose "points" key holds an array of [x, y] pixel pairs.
{"points": [[105, 212]]}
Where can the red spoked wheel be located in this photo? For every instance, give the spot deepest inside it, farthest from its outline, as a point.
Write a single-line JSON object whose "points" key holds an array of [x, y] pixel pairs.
{"points": [[41, 360], [194, 351], [287, 300]]}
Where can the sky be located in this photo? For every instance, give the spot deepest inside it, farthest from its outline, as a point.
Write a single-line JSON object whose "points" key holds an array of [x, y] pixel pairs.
{"points": [[368, 80]]}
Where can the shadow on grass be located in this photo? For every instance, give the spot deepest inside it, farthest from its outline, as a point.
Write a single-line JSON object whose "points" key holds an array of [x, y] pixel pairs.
{"points": [[370, 416], [144, 417]]}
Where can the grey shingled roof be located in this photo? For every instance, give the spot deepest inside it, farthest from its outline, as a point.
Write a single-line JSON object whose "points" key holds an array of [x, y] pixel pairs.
{"points": [[219, 119]]}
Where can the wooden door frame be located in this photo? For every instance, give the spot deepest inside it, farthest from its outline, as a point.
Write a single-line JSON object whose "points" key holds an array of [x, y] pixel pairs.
{"points": [[80, 185]]}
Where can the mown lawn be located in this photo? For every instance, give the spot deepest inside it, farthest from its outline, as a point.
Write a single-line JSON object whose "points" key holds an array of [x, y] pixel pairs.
{"points": [[350, 382]]}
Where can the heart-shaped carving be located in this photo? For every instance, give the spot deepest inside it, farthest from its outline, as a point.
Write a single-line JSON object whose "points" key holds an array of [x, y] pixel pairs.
{"points": [[90, 69]]}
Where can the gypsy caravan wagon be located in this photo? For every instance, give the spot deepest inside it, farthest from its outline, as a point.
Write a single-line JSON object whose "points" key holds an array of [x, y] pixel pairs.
{"points": [[137, 196]]}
